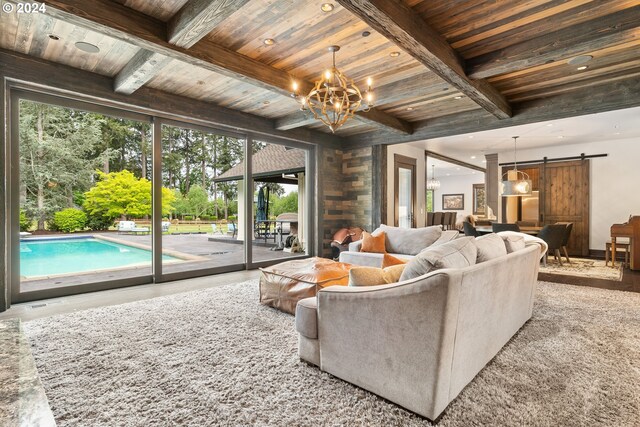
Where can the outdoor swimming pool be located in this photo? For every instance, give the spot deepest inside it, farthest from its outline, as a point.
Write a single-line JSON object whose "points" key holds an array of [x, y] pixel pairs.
{"points": [[46, 257]]}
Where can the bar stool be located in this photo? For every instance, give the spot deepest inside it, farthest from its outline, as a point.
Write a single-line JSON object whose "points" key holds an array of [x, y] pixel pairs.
{"points": [[619, 246]]}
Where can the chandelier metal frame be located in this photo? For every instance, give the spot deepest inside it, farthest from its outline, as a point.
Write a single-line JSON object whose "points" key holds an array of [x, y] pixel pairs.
{"points": [[335, 98]]}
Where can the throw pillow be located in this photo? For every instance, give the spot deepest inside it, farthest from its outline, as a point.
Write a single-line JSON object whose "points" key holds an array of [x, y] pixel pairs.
{"points": [[490, 246], [389, 260], [513, 243], [373, 243], [373, 276], [410, 241], [458, 253]]}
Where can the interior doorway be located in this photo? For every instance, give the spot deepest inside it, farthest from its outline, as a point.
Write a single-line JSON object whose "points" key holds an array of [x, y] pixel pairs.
{"points": [[405, 191]]}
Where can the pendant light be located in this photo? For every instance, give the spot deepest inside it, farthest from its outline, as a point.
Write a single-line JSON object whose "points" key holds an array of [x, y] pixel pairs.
{"points": [[520, 184], [433, 183]]}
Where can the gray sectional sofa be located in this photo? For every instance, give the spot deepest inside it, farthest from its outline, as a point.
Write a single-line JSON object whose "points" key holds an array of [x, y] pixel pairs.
{"points": [[420, 341], [403, 243]]}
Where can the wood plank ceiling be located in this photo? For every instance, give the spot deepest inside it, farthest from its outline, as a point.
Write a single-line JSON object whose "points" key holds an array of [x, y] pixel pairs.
{"points": [[486, 55]]}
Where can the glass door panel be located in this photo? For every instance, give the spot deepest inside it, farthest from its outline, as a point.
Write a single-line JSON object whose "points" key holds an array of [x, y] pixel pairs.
{"points": [[280, 202], [84, 195], [405, 207], [203, 200]]}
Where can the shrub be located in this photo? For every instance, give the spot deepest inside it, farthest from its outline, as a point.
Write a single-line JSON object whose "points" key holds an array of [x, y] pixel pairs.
{"points": [[25, 222], [98, 223], [68, 220], [188, 218]]}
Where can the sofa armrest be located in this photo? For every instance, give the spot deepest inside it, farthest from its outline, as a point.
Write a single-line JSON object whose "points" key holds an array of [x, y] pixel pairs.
{"points": [[395, 340], [355, 246]]}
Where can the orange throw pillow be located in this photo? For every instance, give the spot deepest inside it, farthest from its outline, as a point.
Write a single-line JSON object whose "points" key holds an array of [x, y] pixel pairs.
{"points": [[389, 260], [374, 244]]}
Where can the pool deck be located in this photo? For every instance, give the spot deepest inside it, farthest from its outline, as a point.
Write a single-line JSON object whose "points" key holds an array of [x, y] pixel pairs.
{"points": [[197, 250]]}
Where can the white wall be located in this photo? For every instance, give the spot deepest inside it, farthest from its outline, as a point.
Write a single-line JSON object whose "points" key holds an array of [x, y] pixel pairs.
{"points": [[613, 181], [414, 153], [461, 184]]}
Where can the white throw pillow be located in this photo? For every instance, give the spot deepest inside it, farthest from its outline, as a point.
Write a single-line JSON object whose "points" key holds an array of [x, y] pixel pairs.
{"points": [[409, 241]]}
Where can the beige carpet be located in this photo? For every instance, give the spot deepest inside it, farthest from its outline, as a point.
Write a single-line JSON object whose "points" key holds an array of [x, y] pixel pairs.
{"points": [[217, 357], [583, 267]]}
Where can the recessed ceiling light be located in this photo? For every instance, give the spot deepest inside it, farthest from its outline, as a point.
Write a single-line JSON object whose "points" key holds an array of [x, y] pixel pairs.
{"points": [[448, 174], [327, 7], [470, 136], [617, 133], [409, 108], [473, 157], [366, 33], [394, 54], [579, 60], [457, 169], [54, 37], [583, 67], [266, 102], [457, 97], [87, 47], [484, 161], [269, 42], [560, 136], [550, 124]]}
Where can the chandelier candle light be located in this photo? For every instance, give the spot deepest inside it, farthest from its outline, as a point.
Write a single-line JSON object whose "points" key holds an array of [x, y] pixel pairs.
{"points": [[433, 183], [517, 183], [335, 98]]}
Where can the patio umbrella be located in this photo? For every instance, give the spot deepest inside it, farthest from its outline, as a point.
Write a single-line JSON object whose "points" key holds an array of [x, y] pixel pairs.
{"points": [[261, 214]]}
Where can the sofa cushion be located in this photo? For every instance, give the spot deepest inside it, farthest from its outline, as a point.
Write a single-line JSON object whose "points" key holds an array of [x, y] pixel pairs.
{"points": [[307, 317], [513, 242], [458, 253], [373, 242], [389, 260], [372, 276], [490, 246], [409, 241]]}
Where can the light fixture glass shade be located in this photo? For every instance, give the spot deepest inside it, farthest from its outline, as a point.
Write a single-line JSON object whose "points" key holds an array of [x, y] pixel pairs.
{"points": [[521, 186], [433, 183]]}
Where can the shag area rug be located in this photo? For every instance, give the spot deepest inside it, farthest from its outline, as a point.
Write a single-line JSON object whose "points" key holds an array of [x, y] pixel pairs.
{"points": [[583, 267], [217, 357]]}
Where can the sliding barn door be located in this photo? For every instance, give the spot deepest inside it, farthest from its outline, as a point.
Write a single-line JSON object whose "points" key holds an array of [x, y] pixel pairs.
{"points": [[565, 198]]}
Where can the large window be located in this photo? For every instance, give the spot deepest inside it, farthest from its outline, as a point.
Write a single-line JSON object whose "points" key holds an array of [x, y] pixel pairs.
{"points": [[85, 197], [90, 179]]}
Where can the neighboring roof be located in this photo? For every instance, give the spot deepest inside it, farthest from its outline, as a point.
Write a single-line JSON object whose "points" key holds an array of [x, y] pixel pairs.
{"points": [[270, 164]]}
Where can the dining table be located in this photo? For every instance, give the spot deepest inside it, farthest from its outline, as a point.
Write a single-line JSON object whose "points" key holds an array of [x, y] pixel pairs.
{"points": [[486, 229]]}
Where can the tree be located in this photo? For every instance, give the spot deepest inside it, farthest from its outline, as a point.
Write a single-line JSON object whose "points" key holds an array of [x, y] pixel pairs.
{"points": [[57, 157], [121, 194], [288, 203], [198, 201]]}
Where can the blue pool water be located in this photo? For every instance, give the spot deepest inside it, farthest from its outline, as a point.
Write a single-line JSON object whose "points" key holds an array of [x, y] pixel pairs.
{"points": [[44, 257]]}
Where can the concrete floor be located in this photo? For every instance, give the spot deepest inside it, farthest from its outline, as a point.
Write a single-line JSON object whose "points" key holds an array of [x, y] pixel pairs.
{"points": [[44, 308], [206, 251]]}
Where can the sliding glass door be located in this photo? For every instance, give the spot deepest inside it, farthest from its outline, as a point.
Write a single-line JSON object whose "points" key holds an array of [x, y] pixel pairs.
{"points": [[102, 197], [203, 218], [84, 197]]}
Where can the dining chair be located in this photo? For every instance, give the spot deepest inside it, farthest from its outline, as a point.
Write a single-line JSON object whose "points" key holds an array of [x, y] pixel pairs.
{"points": [[469, 230], [553, 235], [565, 240], [446, 220], [437, 218], [499, 226], [429, 219]]}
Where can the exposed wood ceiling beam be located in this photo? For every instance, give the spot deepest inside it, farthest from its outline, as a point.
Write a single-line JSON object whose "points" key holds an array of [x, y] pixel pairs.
{"points": [[139, 70], [587, 100], [99, 89], [122, 23], [398, 23], [437, 156], [197, 18], [412, 87], [589, 36]]}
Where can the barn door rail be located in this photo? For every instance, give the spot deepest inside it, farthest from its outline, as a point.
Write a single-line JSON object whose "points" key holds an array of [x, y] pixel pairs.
{"points": [[582, 156]]}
